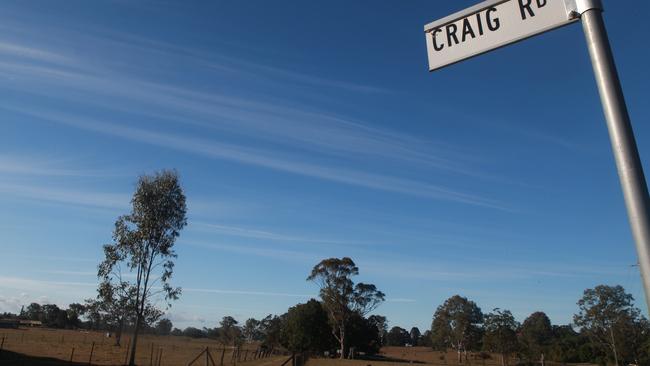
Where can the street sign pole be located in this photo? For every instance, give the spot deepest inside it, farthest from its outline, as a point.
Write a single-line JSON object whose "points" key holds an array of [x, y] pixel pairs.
{"points": [[493, 24], [628, 162]]}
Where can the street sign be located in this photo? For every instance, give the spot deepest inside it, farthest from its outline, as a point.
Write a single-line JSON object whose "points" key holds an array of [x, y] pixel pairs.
{"points": [[497, 23], [490, 25]]}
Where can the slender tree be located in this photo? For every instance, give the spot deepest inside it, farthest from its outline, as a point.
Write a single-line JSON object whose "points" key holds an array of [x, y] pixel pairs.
{"points": [[341, 297], [143, 241]]}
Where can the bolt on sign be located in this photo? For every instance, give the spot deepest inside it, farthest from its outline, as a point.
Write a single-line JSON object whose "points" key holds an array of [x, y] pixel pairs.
{"points": [[490, 25]]}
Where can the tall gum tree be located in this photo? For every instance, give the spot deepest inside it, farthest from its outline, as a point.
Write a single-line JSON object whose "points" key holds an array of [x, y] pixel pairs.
{"points": [[143, 243], [341, 297]]}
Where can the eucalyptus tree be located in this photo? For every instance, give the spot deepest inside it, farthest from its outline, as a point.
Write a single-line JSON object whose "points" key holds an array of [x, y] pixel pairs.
{"points": [[500, 333], [604, 312], [457, 325], [536, 336], [143, 245], [341, 297]]}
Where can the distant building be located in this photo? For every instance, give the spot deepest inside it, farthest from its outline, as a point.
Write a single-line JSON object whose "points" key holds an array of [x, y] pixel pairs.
{"points": [[31, 323], [9, 323]]}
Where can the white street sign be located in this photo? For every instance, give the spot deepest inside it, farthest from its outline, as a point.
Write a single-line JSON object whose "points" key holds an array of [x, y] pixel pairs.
{"points": [[490, 25]]}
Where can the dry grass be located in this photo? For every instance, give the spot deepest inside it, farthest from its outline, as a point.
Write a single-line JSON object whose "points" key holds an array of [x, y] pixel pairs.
{"points": [[58, 344], [417, 356]]}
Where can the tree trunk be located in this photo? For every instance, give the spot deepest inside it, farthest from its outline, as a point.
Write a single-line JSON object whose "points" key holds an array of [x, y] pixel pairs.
{"points": [[611, 333], [118, 332], [342, 337], [134, 340]]}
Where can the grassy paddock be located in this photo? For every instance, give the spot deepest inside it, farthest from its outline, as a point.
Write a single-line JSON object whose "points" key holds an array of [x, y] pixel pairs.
{"points": [[58, 344], [414, 356]]}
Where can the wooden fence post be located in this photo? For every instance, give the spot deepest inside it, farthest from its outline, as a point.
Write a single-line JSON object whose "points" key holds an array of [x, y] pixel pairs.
{"points": [[223, 353], [160, 351], [2, 344], [72, 355], [151, 356], [126, 357], [92, 349]]}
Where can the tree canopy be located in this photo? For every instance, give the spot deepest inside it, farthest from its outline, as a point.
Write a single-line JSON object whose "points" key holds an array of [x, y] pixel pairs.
{"points": [[341, 297]]}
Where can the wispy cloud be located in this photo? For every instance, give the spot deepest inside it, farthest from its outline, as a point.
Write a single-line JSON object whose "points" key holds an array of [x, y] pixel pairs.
{"points": [[251, 233], [400, 300], [66, 196], [37, 54], [246, 292], [29, 284], [288, 127], [264, 252], [266, 159], [43, 166]]}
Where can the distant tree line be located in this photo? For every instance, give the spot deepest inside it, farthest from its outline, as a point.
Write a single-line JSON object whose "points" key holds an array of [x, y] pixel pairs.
{"points": [[82, 316], [607, 329]]}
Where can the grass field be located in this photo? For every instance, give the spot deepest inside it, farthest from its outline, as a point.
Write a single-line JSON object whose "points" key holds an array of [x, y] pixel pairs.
{"points": [[419, 356], [23, 345], [59, 344]]}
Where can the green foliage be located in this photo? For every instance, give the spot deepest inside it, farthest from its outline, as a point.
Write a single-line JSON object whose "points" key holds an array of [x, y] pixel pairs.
{"points": [[381, 324], [500, 332], [143, 243], [536, 336], [570, 346], [363, 335], [425, 339], [306, 328], [341, 297], [163, 327], [194, 332], [271, 329], [398, 337], [251, 330], [607, 315], [456, 324], [415, 336], [229, 332]]}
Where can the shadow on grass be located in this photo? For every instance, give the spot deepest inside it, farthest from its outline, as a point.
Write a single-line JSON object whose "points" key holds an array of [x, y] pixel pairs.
{"points": [[381, 358], [8, 358]]}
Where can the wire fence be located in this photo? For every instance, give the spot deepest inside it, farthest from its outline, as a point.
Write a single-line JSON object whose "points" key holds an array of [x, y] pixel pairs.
{"points": [[67, 347]]}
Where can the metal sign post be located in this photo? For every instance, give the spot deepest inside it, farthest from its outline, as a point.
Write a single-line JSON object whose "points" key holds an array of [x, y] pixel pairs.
{"points": [[497, 23]]}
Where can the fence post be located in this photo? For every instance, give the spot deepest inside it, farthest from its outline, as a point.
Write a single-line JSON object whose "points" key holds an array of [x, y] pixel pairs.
{"points": [[223, 353], [72, 355], [160, 351], [151, 356], [92, 349], [2, 344], [126, 357], [246, 355], [207, 357]]}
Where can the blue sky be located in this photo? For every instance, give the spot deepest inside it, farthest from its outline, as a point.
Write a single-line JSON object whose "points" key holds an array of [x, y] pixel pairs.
{"points": [[306, 130]]}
